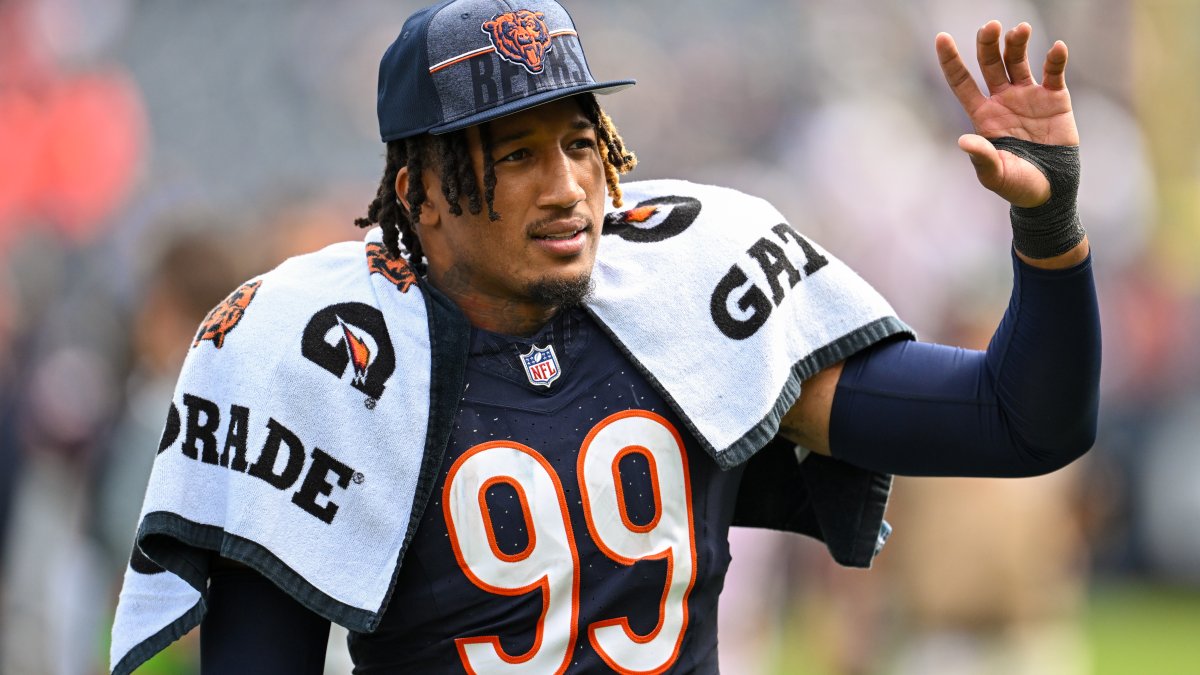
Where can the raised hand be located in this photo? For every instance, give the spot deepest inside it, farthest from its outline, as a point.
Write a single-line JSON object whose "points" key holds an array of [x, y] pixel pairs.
{"points": [[1016, 106]]}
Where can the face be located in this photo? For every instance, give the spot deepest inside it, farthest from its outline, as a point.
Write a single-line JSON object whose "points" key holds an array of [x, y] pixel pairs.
{"points": [[550, 194]]}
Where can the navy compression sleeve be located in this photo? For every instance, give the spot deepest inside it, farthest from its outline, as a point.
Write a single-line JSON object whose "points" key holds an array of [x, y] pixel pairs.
{"points": [[1026, 406], [253, 627]]}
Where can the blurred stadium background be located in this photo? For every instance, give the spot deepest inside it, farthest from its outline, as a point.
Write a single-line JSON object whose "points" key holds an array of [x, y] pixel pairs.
{"points": [[154, 154]]}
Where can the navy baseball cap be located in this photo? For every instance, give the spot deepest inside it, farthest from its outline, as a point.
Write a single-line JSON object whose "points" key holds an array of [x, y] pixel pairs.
{"points": [[463, 62]]}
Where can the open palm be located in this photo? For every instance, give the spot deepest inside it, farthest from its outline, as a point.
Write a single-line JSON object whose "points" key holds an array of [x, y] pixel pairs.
{"points": [[1016, 106]]}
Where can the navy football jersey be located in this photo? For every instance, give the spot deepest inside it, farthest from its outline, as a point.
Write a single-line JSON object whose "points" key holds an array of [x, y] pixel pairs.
{"points": [[576, 526]]}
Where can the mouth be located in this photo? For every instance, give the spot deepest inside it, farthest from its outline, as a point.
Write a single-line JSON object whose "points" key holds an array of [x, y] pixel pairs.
{"points": [[560, 230], [562, 238]]}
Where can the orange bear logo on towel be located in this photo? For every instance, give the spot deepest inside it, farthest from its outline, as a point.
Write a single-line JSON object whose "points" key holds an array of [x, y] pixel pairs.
{"points": [[225, 316]]}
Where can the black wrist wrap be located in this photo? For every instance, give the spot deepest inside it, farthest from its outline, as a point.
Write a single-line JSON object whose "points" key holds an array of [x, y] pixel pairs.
{"points": [[1052, 228]]}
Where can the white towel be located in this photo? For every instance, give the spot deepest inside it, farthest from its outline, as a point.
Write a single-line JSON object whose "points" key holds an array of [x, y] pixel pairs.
{"points": [[325, 363], [663, 300]]}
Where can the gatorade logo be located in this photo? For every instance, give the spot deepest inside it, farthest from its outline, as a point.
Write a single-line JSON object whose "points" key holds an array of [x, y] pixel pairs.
{"points": [[352, 337]]}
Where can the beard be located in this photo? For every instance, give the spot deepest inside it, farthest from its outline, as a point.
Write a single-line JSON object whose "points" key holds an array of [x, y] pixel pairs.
{"points": [[562, 293]]}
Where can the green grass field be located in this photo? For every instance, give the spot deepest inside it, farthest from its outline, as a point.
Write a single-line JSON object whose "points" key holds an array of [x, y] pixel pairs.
{"points": [[1152, 630], [1130, 630]]}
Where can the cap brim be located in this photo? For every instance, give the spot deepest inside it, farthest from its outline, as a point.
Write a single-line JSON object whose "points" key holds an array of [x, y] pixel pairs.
{"points": [[530, 102]]}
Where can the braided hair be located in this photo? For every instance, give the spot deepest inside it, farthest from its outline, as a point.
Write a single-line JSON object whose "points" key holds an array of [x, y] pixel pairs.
{"points": [[450, 155]]}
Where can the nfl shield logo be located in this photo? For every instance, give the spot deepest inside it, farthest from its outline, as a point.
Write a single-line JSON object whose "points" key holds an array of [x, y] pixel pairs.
{"points": [[541, 365]]}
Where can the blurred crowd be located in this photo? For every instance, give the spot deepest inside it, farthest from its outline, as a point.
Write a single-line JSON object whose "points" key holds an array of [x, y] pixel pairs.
{"points": [[155, 154]]}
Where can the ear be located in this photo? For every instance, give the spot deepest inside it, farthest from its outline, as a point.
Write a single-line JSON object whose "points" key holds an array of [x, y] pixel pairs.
{"points": [[402, 187], [428, 215]]}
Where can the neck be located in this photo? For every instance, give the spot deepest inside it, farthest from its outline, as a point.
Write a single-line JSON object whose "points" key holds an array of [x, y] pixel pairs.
{"points": [[504, 315]]}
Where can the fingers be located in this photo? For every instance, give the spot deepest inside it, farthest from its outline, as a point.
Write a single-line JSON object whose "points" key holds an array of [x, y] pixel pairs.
{"points": [[999, 69], [987, 51], [957, 75], [1055, 70], [1015, 54]]}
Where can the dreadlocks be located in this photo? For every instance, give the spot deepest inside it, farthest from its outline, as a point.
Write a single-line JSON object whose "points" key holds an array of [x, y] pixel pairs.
{"points": [[449, 155]]}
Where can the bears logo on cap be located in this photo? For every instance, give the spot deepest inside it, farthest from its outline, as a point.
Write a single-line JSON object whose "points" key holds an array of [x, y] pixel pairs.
{"points": [[520, 37]]}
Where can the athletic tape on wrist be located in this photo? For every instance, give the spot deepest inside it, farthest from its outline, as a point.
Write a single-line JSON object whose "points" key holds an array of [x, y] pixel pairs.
{"points": [[1052, 228]]}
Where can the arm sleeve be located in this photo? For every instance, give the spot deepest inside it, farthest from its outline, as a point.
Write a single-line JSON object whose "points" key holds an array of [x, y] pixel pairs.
{"points": [[1026, 406], [254, 627]]}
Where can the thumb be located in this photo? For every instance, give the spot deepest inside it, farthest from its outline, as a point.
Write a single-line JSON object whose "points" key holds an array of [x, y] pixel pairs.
{"points": [[984, 157]]}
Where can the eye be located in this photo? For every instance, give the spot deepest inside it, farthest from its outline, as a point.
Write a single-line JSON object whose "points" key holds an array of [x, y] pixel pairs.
{"points": [[514, 156], [582, 144]]}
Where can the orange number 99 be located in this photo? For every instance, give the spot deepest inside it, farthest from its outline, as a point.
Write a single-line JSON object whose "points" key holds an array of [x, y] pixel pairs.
{"points": [[550, 561]]}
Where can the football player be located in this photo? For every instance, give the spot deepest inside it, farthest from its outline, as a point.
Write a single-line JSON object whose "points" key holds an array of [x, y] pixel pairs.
{"points": [[583, 457]]}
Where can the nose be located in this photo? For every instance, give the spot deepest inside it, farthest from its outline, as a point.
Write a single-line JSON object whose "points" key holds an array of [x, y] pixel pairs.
{"points": [[563, 183]]}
